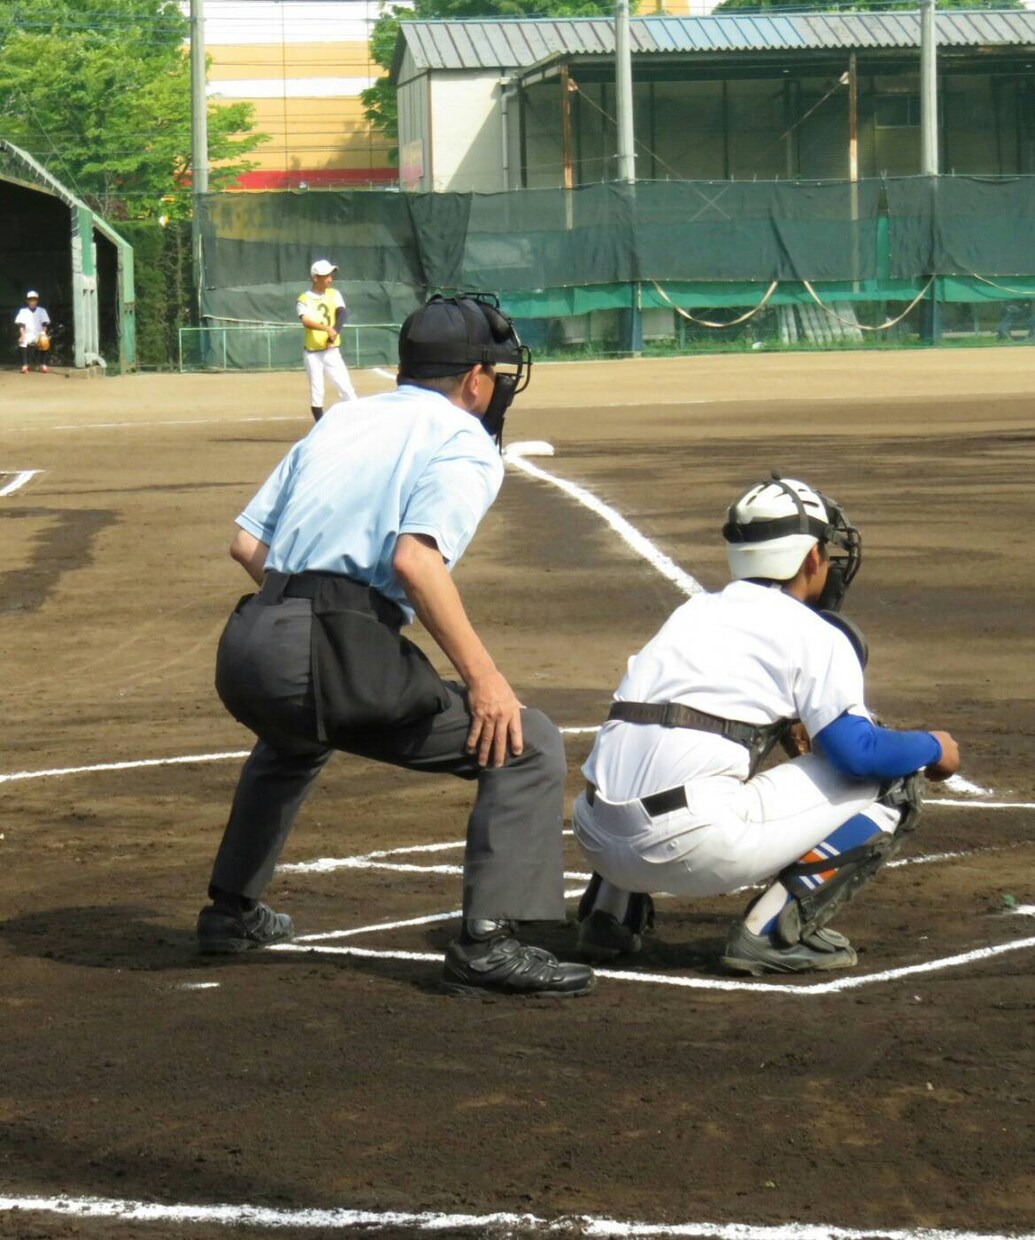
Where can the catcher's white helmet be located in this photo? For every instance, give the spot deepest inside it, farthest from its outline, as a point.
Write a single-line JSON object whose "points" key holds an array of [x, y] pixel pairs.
{"points": [[771, 528]]}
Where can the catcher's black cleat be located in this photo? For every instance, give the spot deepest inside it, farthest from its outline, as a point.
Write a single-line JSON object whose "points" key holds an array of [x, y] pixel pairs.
{"points": [[758, 954], [222, 933], [501, 965], [603, 937]]}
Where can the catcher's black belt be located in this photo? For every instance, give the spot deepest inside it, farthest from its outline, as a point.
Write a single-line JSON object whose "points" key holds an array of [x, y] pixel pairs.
{"points": [[655, 804], [756, 739]]}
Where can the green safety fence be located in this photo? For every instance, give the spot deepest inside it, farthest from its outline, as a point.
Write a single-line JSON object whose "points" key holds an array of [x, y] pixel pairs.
{"points": [[614, 263], [278, 346]]}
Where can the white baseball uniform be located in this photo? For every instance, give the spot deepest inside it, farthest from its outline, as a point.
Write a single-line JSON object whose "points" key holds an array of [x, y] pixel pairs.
{"points": [[34, 322], [749, 653]]}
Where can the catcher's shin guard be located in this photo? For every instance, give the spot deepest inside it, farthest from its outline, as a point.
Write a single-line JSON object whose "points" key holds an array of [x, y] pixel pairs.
{"points": [[811, 907], [601, 935]]}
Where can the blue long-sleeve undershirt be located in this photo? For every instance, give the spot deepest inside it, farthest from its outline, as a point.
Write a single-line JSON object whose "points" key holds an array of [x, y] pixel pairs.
{"points": [[861, 750]]}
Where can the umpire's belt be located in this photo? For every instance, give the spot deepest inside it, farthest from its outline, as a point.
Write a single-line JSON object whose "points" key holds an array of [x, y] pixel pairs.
{"points": [[331, 591], [657, 803], [365, 674]]}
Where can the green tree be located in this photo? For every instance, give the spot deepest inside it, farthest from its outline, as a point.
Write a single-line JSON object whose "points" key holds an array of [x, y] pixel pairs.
{"points": [[856, 6], [379, 103], [99, 92]]}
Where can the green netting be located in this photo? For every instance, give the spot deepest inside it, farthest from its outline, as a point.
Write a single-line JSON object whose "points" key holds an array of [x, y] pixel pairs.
{"points": [[962, 226], [556, 254]]}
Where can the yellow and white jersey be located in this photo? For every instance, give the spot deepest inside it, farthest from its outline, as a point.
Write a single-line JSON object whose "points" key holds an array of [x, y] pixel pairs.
{"points": [[322, 306]]}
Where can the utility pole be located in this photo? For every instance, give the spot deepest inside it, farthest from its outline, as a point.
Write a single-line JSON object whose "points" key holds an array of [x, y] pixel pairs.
{"points": [[928, 90], [929, 137], [632, 318], [623, 86], [199, 137]]}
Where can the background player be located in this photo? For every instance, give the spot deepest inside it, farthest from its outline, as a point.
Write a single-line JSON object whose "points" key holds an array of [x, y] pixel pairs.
{"points": [[33, 331], [323, 313], [356, 530], [674, 802]]}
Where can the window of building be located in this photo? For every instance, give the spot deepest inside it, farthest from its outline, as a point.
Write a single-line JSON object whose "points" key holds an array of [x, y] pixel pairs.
{"points": [[896, 111]]}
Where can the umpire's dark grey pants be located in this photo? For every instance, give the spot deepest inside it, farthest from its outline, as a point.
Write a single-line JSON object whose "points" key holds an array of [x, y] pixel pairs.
{"points": [[512, 863]]}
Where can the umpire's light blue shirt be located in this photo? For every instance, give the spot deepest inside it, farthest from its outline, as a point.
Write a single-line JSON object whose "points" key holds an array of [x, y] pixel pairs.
{"points": [[406, 462]]}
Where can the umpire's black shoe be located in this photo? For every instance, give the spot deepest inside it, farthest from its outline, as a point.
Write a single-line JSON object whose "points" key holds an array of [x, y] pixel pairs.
{"points": [[493, 961], [221, 932]]}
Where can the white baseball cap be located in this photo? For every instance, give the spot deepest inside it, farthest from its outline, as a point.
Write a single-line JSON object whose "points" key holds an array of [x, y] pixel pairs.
{"points": [[322, 268], [32, 293]]}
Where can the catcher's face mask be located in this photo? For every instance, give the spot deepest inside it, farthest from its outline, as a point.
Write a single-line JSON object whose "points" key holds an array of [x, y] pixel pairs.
{"points": [[843, 567], [450, 334]]}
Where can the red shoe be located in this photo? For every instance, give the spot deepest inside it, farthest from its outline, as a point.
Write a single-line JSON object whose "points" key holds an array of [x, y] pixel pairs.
{"points": [[44, 369], [25, 370]]}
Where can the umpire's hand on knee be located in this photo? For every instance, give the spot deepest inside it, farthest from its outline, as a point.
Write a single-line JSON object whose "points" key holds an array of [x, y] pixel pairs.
{"points": [[495, 720]]}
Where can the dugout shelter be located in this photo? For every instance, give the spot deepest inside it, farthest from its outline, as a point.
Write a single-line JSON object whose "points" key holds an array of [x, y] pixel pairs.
{"points": [[54, 242]]}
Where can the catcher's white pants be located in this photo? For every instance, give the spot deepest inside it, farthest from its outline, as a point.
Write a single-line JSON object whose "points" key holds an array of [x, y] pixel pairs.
{"points": [[731, 834], [327, 363]]}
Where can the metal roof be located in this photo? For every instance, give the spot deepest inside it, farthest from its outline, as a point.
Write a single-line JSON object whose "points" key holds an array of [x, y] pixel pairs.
{"points": [[521, 43]]}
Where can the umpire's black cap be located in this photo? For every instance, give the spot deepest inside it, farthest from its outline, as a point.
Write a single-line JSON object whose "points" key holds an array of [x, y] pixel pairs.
{"points": [[449, 335]]}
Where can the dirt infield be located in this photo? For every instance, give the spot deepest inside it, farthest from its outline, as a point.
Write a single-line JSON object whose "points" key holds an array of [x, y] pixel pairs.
{"points": [[132, 1070]]}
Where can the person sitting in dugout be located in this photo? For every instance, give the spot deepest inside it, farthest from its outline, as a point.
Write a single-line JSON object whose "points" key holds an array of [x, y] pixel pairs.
{"points": [[674, 800], [357, 531]]}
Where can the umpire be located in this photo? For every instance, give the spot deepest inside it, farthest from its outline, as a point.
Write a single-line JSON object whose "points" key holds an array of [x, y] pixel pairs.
{"points": [[355, 532]]}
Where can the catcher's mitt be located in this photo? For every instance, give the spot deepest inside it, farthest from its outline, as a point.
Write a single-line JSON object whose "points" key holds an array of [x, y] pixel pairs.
{"points": [[43, 342], [795, 740]]}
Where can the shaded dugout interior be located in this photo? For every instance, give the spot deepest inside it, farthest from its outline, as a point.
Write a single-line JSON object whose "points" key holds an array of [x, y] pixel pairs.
{"points": [[82, 269]]}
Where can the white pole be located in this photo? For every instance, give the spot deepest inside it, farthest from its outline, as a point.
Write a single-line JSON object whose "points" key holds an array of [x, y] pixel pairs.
{"points": [[199, 134], [623, 83], [928, 90], [198, 112]]}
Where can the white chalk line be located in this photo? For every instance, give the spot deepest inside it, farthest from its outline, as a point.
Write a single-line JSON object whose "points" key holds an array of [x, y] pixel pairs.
{"points": [[225, 756], [668, 568], [479, 1224], [961, 785], [57, 772], [379, 861], [707, 983], [429, 919], [319, 945], [956, 783], [18, 481], [109, 426]]}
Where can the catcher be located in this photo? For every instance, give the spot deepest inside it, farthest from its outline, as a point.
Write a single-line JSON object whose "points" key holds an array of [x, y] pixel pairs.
{"points": [[33, 324], [675, 801]]}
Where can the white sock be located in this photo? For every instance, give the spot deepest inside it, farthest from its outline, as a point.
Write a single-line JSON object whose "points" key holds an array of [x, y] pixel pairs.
{"points": [[762, 915]]}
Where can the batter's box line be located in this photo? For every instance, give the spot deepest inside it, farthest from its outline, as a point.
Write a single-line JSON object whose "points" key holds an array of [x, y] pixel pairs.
{"points": [[381, 860], [18, 479], [814, 989]]}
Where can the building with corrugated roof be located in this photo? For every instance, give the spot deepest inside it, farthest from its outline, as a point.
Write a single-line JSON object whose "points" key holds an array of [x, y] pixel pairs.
{"points": [[486, 106]]}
